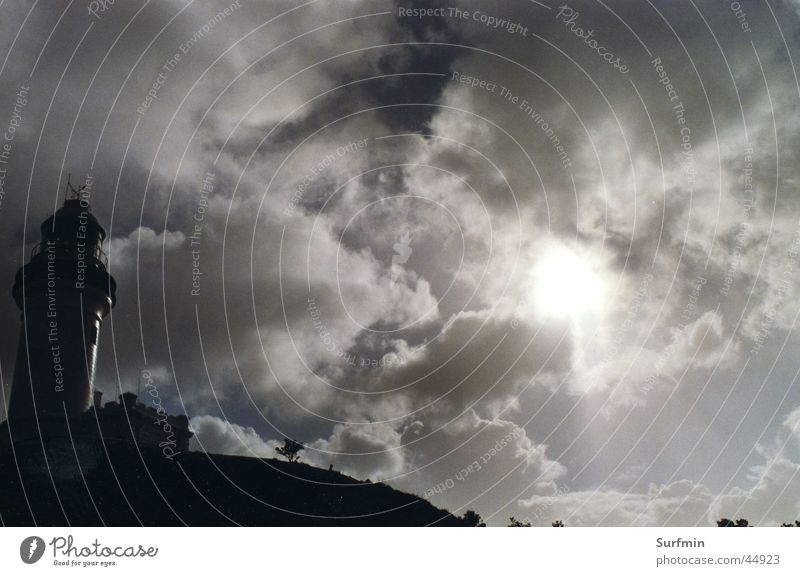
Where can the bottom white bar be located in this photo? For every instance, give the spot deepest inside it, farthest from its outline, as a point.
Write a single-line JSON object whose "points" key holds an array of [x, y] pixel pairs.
{"points": [[396, 551]]}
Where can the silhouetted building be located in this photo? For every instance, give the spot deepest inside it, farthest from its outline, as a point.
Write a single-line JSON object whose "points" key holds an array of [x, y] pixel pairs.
{"points": [[129, 421], [64, 293]]}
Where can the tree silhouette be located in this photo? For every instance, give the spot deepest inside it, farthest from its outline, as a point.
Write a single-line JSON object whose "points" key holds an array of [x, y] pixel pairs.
{"points": [[728, 523], [795, 525], [558, 524], [725, 523], [514, 523], [290, 449], [472, 518]]}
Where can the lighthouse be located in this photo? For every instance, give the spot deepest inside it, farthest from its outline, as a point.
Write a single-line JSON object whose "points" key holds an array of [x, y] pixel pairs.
{"points": [[63, 292]]}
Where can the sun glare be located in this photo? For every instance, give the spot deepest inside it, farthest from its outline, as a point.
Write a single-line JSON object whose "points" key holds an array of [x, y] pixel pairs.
{"points": [[567, 285]]}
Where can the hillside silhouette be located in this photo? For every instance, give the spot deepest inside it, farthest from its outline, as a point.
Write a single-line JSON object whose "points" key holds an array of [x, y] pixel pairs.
{"points": [[134, 487]]}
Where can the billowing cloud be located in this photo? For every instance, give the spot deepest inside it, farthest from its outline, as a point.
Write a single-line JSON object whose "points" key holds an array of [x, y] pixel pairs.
{"points": [[216, 436]]}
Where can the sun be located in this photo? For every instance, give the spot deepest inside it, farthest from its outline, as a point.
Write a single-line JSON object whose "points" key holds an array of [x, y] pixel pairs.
{"points": [[567, 285]]}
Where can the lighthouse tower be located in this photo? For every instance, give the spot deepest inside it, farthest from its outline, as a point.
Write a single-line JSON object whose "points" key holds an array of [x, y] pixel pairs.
{"points": [[64, 293]]}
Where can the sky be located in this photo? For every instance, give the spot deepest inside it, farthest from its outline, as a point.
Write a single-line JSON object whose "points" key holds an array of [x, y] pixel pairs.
{"points": [[528, 258]]}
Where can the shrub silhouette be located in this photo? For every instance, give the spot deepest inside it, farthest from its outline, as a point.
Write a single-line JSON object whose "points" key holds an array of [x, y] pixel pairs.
{"points": [[728, 523], [514, 523], [290, 449], [472, 518]]}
